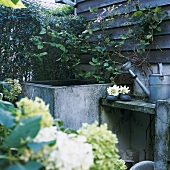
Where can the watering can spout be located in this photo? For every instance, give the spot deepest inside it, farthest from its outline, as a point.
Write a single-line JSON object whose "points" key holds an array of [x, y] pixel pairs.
{"points": [[127, 67]]}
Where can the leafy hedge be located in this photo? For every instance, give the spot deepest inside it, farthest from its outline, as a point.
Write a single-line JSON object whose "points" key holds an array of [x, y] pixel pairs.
{"points": [[60, 41], [23, 49], [16, 28]]}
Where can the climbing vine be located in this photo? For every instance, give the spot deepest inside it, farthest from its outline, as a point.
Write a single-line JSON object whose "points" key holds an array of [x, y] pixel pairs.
{"points": [[108, 51]]}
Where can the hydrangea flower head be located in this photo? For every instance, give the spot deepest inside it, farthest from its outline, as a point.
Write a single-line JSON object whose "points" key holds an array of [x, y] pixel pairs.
{"points": [[28, 108], [70, 152], [113, 90]]}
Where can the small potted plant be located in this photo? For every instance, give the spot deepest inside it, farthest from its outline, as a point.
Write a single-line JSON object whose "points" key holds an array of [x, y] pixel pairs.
{"points": [[118, 93], [123, 93], [113, 93]]}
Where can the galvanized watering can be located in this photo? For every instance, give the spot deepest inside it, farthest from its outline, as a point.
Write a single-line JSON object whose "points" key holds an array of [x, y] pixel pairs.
{"points": [[159, 84]]}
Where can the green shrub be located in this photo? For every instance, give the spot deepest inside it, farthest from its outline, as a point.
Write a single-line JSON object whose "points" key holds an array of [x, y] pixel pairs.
{"points": [[19, 56], [16, 28], [60, 41], [15, 89]]}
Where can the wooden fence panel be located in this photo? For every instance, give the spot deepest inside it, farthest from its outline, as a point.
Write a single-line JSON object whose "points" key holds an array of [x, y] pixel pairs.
{"points": [[159, 52], [121, 9]]}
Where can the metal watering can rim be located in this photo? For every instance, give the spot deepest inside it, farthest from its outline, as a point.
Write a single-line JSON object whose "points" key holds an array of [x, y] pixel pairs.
{"points": [[158, 83], [127, 67]]}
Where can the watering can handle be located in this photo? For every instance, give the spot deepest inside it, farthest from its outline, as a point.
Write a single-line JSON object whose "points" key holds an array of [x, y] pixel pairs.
{"points": [[160, 69]]}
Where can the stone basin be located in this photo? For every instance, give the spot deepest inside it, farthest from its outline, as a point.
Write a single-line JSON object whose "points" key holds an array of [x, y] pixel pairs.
{"points": [[73, 104]]}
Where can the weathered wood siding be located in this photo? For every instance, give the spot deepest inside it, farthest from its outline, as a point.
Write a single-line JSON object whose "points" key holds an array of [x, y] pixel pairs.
{"points": [[162, 39]]}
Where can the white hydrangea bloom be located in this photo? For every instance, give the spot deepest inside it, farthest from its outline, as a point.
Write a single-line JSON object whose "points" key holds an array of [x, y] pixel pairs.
{"points": [[124, 89], [46, 134], [70, 152], [113, 90], [73, 153]]}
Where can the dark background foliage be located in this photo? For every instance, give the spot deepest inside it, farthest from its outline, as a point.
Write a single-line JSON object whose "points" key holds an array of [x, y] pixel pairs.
{"points": [[23, 49]]}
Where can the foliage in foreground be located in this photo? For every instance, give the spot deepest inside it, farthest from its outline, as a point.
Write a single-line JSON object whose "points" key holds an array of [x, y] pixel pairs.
{"points": [[12, 3], [25, 144]]}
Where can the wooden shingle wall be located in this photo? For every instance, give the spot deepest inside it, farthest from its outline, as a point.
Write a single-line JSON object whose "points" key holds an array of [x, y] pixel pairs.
{"points": [[160, 52]]}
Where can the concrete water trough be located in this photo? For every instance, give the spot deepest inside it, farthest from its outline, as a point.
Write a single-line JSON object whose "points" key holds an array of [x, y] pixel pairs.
{"points": [[74, 104]]}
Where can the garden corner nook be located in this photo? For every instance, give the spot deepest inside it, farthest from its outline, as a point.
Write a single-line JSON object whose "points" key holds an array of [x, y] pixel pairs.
{"points": [[84, 85]]}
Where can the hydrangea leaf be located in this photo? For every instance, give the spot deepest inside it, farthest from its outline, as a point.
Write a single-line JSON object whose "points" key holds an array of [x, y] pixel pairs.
{"points": [[28, 166], [12, 3], [36, 146], [7, 106], [27, 128], [6, 119]]}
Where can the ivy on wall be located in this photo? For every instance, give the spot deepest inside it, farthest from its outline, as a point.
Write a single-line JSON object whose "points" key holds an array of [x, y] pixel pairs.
{"points": [[138, 32]]}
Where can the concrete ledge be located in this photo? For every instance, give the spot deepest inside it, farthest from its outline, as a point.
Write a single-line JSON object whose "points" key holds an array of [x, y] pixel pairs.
{"points": [[134, 105]]}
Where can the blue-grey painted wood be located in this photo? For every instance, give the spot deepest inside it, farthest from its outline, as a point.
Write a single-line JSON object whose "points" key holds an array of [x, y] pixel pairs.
{"points": [[155, 56], [122, 6], [78, 1], [119, 26], [97, 4], [116, 33], [122, 20]]}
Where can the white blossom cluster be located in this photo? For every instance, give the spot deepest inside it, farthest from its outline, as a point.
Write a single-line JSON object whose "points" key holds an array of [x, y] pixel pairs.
{"points": [[115, 90], [70, 152]]}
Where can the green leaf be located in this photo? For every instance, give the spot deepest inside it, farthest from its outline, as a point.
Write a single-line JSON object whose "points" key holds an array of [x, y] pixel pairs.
{"points": [[6, 119], [35, 146], [31, 165], [53, 44], [61, 47], [107, 40], [43, 54], [93, 10], [26, 128], [15, 1], [40, 46], [109, 68], [12, 3], [90, 31], [43, 31], [7, 106], [91, 63], [158, 9], [106, 64], [149, 36], [84, 32], [94, 60], [138, 13], [124, 37], [155, 17], [158, 29], [5, 85], [154, 26]]}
